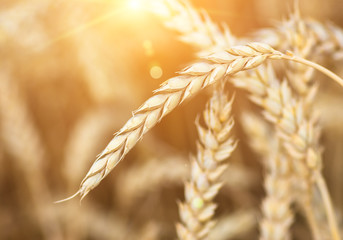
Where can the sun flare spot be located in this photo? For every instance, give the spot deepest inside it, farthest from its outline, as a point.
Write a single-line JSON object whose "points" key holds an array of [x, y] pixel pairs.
{"points": [[156, 72]]}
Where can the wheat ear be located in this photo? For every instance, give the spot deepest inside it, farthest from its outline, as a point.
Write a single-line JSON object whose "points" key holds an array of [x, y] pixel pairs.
{"points": [[173, 92], [277, 213], [276, 207], [296, 130], [301, 40], [214, 148]]}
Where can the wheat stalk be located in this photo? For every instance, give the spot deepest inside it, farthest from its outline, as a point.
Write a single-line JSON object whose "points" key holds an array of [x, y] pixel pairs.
{"points": [[173, 92], [214, 147]]}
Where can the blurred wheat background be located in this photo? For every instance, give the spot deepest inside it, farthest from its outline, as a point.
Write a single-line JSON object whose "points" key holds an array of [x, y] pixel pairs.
{"points": [[72, 71]]}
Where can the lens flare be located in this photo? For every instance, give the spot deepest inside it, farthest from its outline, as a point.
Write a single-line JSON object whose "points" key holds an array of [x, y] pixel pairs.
{"points": [[156, 72]]}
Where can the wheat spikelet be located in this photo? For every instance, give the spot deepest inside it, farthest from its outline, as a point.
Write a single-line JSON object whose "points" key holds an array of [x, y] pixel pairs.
{"points": [[173, 92], [214, 147], [21, 139]]}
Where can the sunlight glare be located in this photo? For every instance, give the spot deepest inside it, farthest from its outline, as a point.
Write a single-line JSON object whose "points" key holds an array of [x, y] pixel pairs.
{"points": [[135, 4]]}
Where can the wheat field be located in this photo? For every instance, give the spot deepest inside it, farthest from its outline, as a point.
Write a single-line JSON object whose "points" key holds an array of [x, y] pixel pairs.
{"points": [[171, 119]]}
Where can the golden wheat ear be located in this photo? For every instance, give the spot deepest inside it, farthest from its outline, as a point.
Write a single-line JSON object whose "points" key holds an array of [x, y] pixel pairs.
{"points": [[175, 91]]}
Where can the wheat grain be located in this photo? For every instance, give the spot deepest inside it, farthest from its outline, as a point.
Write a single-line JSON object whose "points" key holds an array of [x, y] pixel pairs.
{"points": [[214, 147]]}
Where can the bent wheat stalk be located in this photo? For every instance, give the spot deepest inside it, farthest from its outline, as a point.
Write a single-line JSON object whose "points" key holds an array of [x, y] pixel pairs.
{"points": [[175, 91], [214, 148]]}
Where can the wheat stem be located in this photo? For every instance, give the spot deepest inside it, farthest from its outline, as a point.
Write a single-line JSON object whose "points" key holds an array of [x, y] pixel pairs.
{"points": [[316, 66], [328, 206]]}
